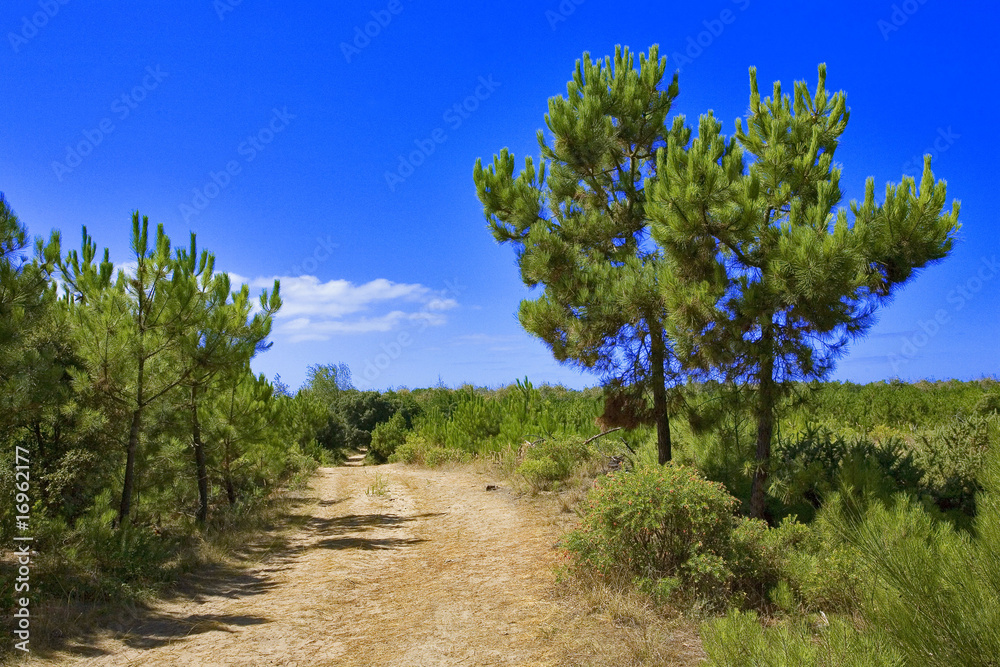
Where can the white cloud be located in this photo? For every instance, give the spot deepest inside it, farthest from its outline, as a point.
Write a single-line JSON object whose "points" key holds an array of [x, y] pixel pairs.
{"points": [[316, 311]]}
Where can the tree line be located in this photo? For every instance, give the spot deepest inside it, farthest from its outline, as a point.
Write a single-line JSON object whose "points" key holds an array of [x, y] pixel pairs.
{"points": [[131, 386]]}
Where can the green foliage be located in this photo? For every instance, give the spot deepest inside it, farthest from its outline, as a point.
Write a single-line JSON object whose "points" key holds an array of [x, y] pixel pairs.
{"points": [[131, 554], [927, 439], [769, 277], [541, 472], [327, 381], [739, 639], [135, 386], [387, 438], [419, 450], [578, 224], [552, 460], [817, 462], [351, 415], [758, 558], [937, 592], [482, 422], [659, 522], [928, 593]]}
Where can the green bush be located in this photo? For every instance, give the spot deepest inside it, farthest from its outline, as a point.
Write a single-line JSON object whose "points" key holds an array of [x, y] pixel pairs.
{"points": [[486, 422], [552, 460], [387, 437], [816, 462], [539, 473], [759, 558], [937, 589], [417, 449], [656, 523], [739, 639]]}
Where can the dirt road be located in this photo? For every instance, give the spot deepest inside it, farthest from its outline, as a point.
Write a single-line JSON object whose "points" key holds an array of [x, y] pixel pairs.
{"points": [[391, 565]]}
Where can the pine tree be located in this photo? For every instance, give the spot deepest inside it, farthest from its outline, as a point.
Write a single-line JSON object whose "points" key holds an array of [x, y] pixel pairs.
{"points": [[579, 225], [244, 413], [770, 277], [221, 345], [33, 352], [131, 331]]}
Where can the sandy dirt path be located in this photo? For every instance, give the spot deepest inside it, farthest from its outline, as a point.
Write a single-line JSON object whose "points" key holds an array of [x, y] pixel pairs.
{"points": [[388, 565]]}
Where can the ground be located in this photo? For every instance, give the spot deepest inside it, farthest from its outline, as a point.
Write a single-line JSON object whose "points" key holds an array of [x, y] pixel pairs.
{"points": [[387, 565]]}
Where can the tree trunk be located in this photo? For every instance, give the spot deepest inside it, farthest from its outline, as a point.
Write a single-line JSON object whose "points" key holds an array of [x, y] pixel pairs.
{"points": [[133, 444], [765, 426], [230, 491], [199, 459], [43, 485], [227, 474], [657, 353]]}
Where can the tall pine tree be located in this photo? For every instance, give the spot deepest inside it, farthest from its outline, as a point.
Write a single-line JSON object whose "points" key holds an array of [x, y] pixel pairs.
{"points": [[579, 225], [771, 277], [131, 331], [219, 347]]}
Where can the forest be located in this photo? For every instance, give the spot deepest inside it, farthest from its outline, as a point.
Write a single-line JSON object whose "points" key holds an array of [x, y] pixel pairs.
{"points": [[709, 283]]}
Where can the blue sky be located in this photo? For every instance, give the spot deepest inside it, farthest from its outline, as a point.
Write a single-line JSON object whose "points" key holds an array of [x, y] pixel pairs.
{"points": [[284, 136]]}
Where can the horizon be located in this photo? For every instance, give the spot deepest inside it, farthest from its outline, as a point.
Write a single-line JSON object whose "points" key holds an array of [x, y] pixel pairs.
{"points": [[340, 160]]}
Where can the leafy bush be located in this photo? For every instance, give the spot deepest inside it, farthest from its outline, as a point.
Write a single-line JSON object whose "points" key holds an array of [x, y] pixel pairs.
{"points": [[817, 462], [552, 460], [539, 473], [656, 523], [417, 449], [759, 558], [485, 422], [387, 437]]}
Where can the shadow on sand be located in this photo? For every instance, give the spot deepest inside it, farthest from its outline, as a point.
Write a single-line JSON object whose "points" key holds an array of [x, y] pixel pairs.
{"points": [[142, 627]]}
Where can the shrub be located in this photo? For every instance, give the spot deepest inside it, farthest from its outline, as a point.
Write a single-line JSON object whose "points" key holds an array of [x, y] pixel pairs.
{"points": [[417, 449], [759, 558], [739, 639], [817, 462], [387, 437], [552, 460], [539, 473], [436, 456], [658, 522], [937, 592]]}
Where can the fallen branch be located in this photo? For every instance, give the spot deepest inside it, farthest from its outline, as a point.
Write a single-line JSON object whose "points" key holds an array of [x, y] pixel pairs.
{"points": [[601, 435]]}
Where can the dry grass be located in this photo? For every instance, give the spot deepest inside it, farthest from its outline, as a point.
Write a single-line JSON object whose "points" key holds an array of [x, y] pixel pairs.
{"points": [[615, 625], [62, 622], [607, 623]]}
